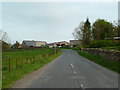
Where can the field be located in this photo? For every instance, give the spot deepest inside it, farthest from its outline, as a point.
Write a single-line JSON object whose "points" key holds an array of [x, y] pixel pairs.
{"points": [[16, 64], [22, 55], [25, 53]]}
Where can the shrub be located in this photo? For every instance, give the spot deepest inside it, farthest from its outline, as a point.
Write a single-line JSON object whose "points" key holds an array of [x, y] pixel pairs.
{"points": [[84, 46], [101, 43], [112, 47]]}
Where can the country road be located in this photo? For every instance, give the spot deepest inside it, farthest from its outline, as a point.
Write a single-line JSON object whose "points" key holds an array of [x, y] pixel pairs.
{"points": [[70, 71]]}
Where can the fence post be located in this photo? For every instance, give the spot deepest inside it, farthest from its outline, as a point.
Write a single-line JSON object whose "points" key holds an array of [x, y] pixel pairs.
{"points": [[39, 58], [16, 63], [22, 61], [34, 60], [9, 65], [30, 59], [26, 60]]}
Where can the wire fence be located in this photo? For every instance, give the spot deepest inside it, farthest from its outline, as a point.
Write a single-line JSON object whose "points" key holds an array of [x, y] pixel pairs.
{"points": [[11, 64]]}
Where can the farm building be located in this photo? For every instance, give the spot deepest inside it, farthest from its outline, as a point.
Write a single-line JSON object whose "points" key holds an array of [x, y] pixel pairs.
{"points": [[58, 44], [27, 44], [75, 42]]}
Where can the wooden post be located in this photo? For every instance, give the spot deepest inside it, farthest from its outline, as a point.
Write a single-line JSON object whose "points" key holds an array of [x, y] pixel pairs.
{"points": [[22, 61], [30, 59], [26, 60], [34, 60], [9, 65], [39, 58], [16, 63]]}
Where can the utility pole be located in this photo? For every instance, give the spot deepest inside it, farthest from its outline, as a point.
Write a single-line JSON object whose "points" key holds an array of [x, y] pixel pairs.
{"points": [[55, 48]]}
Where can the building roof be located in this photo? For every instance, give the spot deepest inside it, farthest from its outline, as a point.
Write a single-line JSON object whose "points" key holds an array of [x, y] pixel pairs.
{"points": [[74, 40], [29, 43], [32, 43], [61, 42]]}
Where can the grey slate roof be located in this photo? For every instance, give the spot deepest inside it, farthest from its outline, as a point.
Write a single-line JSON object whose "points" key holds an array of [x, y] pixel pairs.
{"points": [[29, 43], [32, 43]]}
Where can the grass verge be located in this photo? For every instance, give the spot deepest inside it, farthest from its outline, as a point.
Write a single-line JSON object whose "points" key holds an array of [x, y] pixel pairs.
{"points": [[112, 65], [9, 78]]}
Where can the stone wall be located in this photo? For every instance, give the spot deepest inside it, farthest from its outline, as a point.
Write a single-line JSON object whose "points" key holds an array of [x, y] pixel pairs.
{"points": [[113, 55]]}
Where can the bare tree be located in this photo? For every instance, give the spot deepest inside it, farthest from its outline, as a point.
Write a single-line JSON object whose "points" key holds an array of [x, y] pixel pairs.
{"points": [[116, 28], [78, 31], [4, 36], [83, 32]]}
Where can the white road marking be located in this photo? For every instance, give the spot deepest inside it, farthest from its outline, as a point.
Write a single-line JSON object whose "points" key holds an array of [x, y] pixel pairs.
{"points": [[75, 72], [69, 54], [73, 69], [82, 86], [71, 65]]}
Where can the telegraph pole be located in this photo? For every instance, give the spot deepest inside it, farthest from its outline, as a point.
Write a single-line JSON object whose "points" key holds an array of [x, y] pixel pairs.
{"points": [[55, 48]]}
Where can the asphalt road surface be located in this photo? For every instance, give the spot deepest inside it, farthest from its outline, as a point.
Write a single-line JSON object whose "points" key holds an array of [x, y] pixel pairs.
{"points": [[73, 71]]}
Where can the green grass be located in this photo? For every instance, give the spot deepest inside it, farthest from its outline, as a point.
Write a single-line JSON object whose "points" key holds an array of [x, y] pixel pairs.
{"points": [[112, 48], [112, 65], [22, 54], [9, 78], [28, 53]]}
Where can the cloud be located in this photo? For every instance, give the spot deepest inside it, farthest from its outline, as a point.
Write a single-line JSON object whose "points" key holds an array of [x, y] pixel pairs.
{"points": [[51, 21]]}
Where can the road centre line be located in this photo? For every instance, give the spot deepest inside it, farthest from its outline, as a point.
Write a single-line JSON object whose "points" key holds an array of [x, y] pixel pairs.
{"points": [[75, 72], [82, 86], [69, 54], [71, 65], [73, 69]]}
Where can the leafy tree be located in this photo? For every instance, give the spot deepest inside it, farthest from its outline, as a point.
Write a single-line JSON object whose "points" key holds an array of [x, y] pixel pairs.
{"points": [[101, 43], [102, 30]]}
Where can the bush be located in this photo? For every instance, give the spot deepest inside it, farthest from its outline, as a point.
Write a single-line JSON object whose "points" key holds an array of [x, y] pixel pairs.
{"points": [[101, 43], [84, 46], [112, 47]]}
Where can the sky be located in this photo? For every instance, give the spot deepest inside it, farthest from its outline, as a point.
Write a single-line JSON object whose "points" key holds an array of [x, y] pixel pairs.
{"points": [[119, 12], [51, 21]]}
